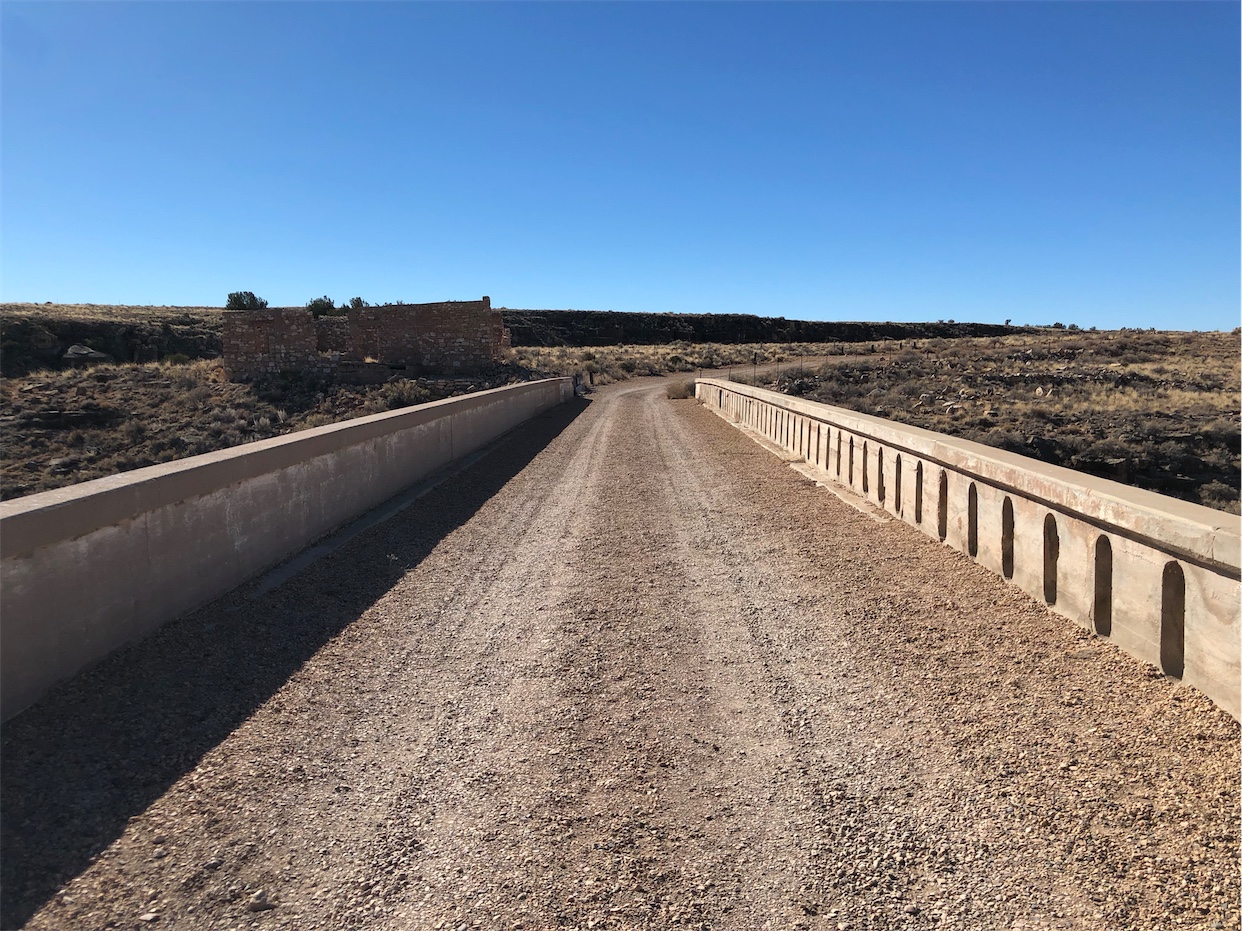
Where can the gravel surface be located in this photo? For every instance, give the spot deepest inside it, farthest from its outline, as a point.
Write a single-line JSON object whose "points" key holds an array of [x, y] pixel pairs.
{"points": [[630, 670]]}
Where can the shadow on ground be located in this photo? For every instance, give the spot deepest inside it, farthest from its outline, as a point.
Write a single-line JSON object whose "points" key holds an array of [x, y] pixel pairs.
{"points": [[102, 747]]}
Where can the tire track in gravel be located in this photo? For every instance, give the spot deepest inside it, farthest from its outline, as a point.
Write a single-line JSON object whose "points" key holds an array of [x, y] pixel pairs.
{"points": [[323, 774], [658, 679], [944, 801]]}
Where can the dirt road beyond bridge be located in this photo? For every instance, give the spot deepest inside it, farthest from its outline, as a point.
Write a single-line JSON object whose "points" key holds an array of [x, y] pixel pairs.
{"points": [[627, 671]]}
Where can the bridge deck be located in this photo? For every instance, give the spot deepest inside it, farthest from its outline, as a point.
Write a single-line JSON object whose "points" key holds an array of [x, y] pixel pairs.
{"points": [[629, 669]]}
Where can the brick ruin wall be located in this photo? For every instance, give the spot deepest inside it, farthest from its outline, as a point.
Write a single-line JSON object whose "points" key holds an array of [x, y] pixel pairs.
{"points": [[264, 342], [448, 338]]}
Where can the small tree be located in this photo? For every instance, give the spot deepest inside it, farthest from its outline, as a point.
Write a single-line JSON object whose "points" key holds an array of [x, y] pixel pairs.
{"points": [[321, 306], [244, 300], [357, 303]]}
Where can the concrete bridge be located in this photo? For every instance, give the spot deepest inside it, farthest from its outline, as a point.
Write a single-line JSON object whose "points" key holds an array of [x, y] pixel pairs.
{"points": [[628, 669]]}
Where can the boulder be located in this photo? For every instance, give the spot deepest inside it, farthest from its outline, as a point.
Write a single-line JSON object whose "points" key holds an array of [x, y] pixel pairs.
{"points": [[77, 354]]}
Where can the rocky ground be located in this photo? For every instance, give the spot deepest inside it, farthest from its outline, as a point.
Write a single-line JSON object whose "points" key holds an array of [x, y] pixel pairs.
{"points": [[70, 426], [1161, 411], [628, 671]]}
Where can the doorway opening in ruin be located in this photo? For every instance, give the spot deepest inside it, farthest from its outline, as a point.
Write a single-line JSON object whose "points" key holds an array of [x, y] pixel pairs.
{"points": [[1007, 538], [972, 520], [1173, 621], [1052, 551], [1102, 608]]}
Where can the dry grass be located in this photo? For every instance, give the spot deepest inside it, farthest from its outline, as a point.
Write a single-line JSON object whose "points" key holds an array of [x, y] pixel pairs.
{"points": [[112, 313], [71, 426], [605, 364], [1156, 410], [680, 390]]}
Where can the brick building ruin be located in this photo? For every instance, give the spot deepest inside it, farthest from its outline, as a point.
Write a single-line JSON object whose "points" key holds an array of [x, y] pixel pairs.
{"points": [[369, 343]]}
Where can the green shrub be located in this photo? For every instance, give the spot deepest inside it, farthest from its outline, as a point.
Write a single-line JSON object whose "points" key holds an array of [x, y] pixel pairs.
{"points": [[323, 307], [244, 300]]}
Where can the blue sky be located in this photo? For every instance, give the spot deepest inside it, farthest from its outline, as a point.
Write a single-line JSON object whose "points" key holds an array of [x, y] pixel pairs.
{"points": [[1074, 162]]}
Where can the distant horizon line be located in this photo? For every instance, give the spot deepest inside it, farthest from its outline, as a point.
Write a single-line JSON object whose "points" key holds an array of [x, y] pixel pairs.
{"points": [[1070, 327]]}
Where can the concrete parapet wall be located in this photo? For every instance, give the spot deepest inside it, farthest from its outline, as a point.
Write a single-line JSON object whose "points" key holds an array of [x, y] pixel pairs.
{"points": [[1157, 576], [86, 568]]}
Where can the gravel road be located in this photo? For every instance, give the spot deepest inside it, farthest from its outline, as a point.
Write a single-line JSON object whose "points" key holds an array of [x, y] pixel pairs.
{"points": [[630, 670]]}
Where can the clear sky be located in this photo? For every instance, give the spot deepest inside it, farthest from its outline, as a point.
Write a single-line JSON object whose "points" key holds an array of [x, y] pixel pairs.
{"points": [[1074, 162]]}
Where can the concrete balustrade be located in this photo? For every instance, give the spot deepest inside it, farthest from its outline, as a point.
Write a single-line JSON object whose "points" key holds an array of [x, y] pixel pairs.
{"points": [[1157, 576], [86, 568]]}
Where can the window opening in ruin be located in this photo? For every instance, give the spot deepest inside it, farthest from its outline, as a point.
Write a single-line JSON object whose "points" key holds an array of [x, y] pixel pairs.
{"points": [[1052, 551], [942, 507], [1173, 621], [918, 493], [1102, 610], [1007, 538], [972, 520]]}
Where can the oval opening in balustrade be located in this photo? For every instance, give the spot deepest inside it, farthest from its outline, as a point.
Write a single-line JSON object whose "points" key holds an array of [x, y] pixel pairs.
{"points": [[1173, 621], [1052, 552], [972, 520], [865, 481], [897, 485], [918, 493], [1102, 608], [942, 507], [1007, 538], [879, 474]]}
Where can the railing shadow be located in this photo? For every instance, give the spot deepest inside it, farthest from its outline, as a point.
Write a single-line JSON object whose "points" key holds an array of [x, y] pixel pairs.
{"points": [[102, 747]]}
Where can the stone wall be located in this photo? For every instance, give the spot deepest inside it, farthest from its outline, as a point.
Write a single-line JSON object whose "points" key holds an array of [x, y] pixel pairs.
{"points": [[261, 342], [446, 338], [332, 334]]}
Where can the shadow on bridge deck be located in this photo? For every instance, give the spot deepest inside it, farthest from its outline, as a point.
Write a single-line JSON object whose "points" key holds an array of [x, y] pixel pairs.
{"points": [[104, 746]]}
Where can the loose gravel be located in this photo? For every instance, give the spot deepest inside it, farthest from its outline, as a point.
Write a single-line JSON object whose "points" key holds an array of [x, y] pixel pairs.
{"points": [[628, 671]]}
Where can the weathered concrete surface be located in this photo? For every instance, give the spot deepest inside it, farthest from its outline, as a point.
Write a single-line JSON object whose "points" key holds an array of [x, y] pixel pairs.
{"points": [[1156, 575], [86, 568]]}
